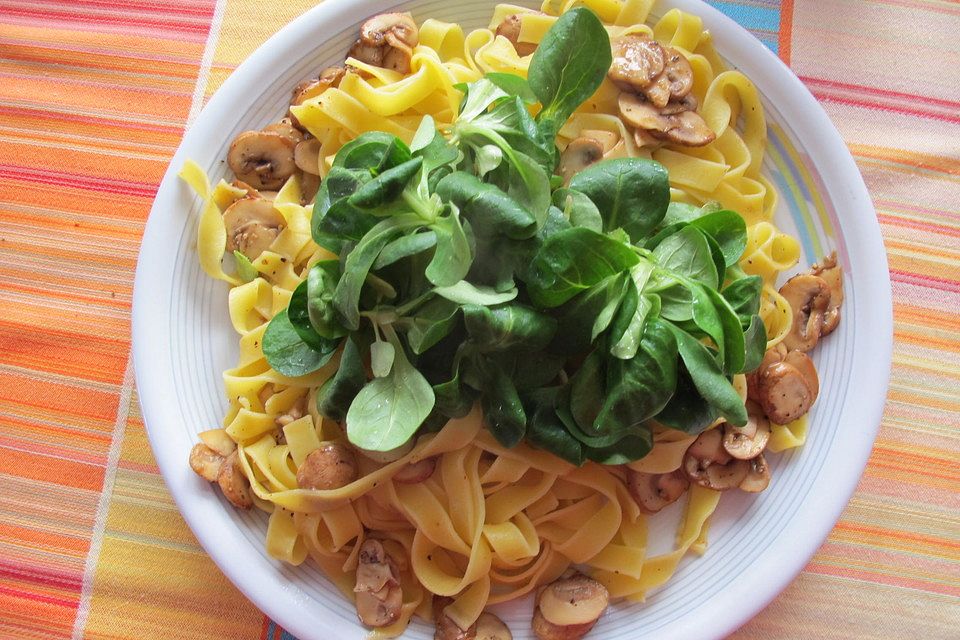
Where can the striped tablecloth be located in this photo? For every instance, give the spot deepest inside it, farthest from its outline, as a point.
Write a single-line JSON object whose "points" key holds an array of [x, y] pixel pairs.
{"points": [[94, 98]]}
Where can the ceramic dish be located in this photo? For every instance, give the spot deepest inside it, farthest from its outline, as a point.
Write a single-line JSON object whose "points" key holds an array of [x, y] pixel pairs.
{"points": [[183, 340]]}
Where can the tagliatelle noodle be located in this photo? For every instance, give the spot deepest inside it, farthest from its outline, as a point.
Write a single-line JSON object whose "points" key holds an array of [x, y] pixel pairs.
{"points": [[491, 524]]}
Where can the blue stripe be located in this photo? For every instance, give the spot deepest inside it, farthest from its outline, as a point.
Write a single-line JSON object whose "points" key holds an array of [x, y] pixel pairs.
{"points": [[763, 22]]}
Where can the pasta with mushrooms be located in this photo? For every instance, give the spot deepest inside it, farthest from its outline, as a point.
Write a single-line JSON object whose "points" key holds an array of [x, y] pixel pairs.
{"points": [[454, 520]]}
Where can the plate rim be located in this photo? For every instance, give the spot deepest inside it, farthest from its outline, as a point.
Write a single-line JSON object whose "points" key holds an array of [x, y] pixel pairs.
{"points": [[777, 572]]}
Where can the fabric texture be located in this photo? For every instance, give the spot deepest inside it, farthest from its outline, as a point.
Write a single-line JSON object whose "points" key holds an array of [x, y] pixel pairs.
{"points": [[95, 97]]}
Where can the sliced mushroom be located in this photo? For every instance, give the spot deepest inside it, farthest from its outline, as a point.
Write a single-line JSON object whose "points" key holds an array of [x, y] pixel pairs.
{"points": [[262, 159], [645, 140], [786, 390], [330, 467], [772, 356], [709, 447], [377, 589], [802, 363], [579, 154], [510, 29], [748, 441], [709, 465], [250, 191], [639, 113], [654, 491], [329, 77], [607, 139], [685, 128], [367, 53], [637, 61], [490, 627], [809, 297], [719, 477], [568, 608], [444, 626], [252, 225], [678, 73], [387, 40], [416, 471], [307, 156], [397, 58], [758, 476], [285, 127], [233, 483], [658, 93], [686, 103], [390, 28], [832, 274], [309, 185], [205, 462]]}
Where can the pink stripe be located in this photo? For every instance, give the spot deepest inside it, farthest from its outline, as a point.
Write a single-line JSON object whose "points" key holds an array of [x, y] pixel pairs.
{"points": [[63, 179], [930, 282]]}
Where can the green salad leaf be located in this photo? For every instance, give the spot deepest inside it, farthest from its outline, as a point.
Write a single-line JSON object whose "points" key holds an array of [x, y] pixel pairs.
{"points": [[576, 316]]}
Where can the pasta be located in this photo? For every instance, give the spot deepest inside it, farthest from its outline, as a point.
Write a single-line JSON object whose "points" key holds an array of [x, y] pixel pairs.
{"points": [[491, 523]]}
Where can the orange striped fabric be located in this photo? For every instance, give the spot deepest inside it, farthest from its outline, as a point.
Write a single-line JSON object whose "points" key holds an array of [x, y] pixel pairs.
{"points": [[94, 99]]}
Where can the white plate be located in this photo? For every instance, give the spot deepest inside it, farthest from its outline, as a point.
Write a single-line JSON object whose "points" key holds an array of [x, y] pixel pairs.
{"points": [[182, 341]]}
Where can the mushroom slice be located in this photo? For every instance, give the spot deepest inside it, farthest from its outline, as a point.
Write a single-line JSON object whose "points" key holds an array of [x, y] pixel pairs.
{"points": [[390, 28], [579, 154], [490, 627], [637, 61], [416, 472], [262, 159], [718, 477], [398, 58], [309, 185], [568, 608], [678, 72], [233, 483], [205, 462], [252, 225], [758, 476], [809, 297], [510, 29], [785, 390], [285, 127], [748, 441], [329, 77], [709, 465], [772, 356], [644, 140], [307, 156], [687, 129], [658, 93], [607, 139], [709, 447], [802, 363], [378, 592], [330, 467], [445, 627], [832, 274], [686, 103], [654, 491], [639, 113], [371, 54]]}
